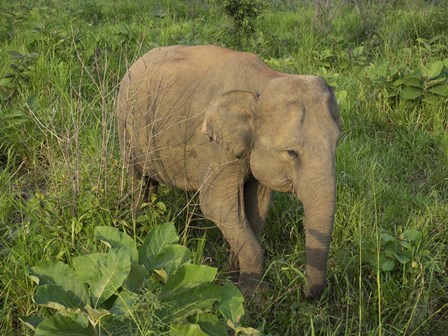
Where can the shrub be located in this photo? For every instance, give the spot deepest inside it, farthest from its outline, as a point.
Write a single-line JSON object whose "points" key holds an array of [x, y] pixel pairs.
{"points": [[154, 288], [244, 14]]}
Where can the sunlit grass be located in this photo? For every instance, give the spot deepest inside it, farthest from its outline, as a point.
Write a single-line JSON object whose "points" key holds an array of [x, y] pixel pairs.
{"points": [[58, 148]]}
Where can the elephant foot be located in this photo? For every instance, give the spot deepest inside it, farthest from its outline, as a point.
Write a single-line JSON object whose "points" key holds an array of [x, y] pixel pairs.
{"points": [[232, 269], [248, 282], [251, 283], [313, 292], [233, 276]]}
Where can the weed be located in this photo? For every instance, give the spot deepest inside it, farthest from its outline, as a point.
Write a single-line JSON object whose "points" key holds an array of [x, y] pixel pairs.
{"points": [[61, 176], [244, 15], [104, 292]]}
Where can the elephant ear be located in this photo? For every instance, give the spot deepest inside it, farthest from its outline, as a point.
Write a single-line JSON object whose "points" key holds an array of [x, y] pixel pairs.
{"points": [[334, 108], [229, 121]]}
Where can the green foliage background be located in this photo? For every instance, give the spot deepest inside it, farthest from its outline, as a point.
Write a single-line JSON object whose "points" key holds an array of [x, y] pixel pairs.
{"points": [[61, 175]]}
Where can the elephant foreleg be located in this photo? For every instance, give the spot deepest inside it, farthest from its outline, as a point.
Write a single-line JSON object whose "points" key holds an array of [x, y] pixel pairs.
{"points": [[222, 201]]}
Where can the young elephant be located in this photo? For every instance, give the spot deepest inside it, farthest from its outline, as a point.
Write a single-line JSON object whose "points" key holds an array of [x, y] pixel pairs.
{"points": [[221, 122]]}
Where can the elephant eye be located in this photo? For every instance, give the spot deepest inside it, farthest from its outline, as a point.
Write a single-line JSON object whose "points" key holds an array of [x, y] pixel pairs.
{"points": [[293, 154]]}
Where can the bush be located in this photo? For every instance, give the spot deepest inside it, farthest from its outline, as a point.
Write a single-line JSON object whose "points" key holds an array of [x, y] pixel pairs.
{"points": [[244, 15], [154, 288]]}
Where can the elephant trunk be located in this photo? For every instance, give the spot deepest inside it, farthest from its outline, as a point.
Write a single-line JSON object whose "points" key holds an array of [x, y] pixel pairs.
{"points": [[318, 198]]}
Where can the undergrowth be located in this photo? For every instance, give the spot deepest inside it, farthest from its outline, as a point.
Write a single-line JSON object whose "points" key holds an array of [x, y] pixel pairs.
{"points": [[61, 175]]}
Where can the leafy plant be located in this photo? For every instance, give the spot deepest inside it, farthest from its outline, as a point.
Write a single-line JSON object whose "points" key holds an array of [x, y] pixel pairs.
{"points": [[106, 293], [20, 69], [391, 250], [391, 161], [325, 57], [155, 212], [283, 63], [244, 14], [433, 47], [338, 56], [410, 84], [430, 79]]}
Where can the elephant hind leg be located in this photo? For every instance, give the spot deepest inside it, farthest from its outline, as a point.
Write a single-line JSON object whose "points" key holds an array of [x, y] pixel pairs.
{"points": [[141, 186], [132, 168], [257, 199], [144, 187], [150, 187]]}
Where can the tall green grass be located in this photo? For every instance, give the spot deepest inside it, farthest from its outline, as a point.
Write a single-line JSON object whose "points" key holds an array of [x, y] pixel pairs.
{"points": [[61, 175]]}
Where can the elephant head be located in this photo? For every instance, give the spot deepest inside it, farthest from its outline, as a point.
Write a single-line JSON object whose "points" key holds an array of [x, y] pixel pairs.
{"points": [[288, 134]]}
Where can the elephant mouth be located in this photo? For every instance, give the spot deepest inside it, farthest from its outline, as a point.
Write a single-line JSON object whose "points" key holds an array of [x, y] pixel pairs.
{"points": [[287, 185], [284, 185]]}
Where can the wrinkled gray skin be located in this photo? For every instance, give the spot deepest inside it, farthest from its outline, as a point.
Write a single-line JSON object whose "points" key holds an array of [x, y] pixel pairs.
{"points": [[220, 122]]}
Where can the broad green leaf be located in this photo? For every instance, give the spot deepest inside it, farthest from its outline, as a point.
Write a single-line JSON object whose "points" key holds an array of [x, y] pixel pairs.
{"points": [[387, 264], [188, 276], [368, 257], [440, 90], [402, 258], [58, 274], [418, 72], [341, 96], [231, 305], [31, 321], [59, 325], [109, 272], [391, 93], [136, 278], [117, 239], [389, 252], [186, 330], [77, 316], [398, 83], [211, 325], [190, 301], [85, 265], [33, 103], [386, 237], [161, 206], [156, 240], [412, 235], [411, 93], [162, 274], [143, 218], [56, 297], [413, 81], [358, 51], [124, 305], [239, 330], [434, 69], [327, 53], [406, 244], [96, 314], [170, 258], [112, 271], [436, 82]]}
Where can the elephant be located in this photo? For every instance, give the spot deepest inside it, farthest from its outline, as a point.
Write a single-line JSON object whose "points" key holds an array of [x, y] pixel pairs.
{"points": [[222, 123]]}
